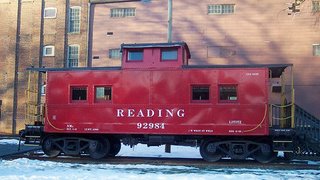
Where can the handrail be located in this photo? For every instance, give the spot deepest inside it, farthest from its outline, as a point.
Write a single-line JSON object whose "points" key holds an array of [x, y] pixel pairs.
{"points": [[282, 106], [280, 115], [289, 117]]}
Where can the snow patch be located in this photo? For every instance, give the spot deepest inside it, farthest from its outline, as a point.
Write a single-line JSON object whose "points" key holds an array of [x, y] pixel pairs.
{"points": [[10, 141], [34, 169], [24, 168], [159, 151]]}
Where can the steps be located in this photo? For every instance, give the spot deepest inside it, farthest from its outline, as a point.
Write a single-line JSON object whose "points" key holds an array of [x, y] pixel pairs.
{"points": [[32, 135], [298, 139], [307, 128], [307, 124]]}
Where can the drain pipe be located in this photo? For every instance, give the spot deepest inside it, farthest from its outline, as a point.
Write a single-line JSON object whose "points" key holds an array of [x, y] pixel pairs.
{"points": [[66, 37], [40, 63], [169, 35], [16, 71], [89, 35]]}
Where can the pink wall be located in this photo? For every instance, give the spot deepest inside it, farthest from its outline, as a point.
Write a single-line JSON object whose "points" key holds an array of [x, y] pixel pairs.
{"points": [[258, 32]]}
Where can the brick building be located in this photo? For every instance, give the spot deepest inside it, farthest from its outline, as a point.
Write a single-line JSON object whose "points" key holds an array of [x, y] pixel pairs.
{"points": [[220, 32], [59, 27], [68, 33]]}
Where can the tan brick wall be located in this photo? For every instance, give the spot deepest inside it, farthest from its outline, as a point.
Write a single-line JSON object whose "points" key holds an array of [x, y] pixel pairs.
{"points": [[81, 38], [29, 51], [54, 29], [54, 34], [8, 10]]}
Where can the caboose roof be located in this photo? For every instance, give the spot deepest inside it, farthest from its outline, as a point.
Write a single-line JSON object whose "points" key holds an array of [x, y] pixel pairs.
{"points": [[157, 45], [275, 69], [44, 69]]}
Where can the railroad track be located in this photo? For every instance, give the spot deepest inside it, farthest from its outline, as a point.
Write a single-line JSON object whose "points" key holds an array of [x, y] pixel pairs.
{"points": [[192, 162], [21, 153]]}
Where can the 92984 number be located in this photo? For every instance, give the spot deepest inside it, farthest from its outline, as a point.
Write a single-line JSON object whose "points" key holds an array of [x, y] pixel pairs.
{"points": [[150, 126]]}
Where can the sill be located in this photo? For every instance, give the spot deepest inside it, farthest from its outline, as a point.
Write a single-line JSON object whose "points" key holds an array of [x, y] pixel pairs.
{"points": [[74, 33], [134, 61], [200, 101], [103, 102], [79, 102], [228, 102], [169, 60], [50, 17]]}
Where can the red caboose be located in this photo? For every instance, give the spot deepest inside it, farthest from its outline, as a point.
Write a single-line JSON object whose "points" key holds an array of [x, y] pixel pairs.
{"points": [[156, 98]]}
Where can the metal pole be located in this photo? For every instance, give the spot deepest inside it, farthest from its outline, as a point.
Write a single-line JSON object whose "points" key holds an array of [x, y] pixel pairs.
{"points": [[169, 21], [40, 62], [89, 36], [169, 37], [66, 30], [292, 99], [16, 69]]}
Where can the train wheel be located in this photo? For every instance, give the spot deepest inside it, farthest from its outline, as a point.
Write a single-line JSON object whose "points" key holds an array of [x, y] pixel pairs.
{"points": [[99, 148], [209, 151], [115, 146], [265, 154], [49, 148]]}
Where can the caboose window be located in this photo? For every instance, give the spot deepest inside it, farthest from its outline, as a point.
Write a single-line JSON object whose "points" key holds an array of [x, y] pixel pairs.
{"points": [[103, 94], [200, 93], [169, 55], [78, 94], [135, 55], [228, 93]]}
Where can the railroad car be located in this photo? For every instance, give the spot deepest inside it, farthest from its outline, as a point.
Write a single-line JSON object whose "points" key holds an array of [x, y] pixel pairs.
{"points": [[157, 98]]}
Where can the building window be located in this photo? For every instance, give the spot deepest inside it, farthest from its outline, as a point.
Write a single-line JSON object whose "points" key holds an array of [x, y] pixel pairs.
{"points": [[135, 55], [79, 94], [316, 49], [170, 54], [221, 9], [315, 6], [114, 53], [122, 12], [228, 93], [73, 56], [200, 93], [221, 51], [103, 93], [43, 89], [74, 20], [48, 51], [50, 12]]}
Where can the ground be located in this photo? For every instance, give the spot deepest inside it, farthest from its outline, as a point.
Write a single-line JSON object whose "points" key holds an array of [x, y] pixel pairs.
{"points": [[24, 168]]}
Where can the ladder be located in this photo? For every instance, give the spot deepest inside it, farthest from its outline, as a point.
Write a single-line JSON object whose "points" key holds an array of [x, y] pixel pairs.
{"points": [[33, 111], [31, 95]]}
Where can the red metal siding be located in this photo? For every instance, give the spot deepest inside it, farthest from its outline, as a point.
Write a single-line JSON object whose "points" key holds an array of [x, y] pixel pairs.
{"points": [[159, 102]]}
